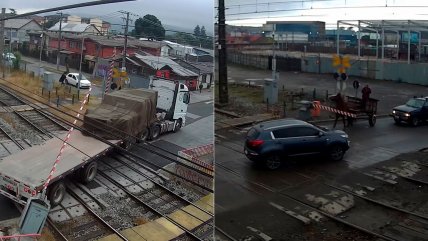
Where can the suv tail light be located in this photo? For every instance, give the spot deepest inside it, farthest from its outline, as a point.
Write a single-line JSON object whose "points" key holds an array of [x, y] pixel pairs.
{"points": [[255, 143]]}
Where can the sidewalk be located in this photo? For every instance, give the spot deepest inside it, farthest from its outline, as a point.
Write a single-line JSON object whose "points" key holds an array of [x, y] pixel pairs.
{"points": [[206, 95], [49, 66]]}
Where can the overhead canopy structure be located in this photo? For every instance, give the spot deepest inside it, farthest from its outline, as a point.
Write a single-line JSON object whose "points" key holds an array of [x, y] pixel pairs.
{"points": [[380, 27]]}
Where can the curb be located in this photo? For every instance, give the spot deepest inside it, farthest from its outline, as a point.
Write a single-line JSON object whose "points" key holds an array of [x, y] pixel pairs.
{"points": [[329, 120]]}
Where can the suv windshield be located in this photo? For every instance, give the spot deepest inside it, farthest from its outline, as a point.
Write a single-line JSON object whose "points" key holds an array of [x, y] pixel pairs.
{"points": [[415, 103]]}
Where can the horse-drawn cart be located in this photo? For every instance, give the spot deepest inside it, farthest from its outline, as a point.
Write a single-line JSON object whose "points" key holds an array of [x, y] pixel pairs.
{"points": [[355, 108], [361, 110]]}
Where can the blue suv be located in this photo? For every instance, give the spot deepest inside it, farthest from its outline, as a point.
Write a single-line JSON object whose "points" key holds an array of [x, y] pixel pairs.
{"points": [[273, 141]]}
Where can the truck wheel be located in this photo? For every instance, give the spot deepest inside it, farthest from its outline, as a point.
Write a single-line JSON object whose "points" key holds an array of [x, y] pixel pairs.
{"points": [[143, 136], [154, 132], [88, 173], [56, 193], [178, 124]]}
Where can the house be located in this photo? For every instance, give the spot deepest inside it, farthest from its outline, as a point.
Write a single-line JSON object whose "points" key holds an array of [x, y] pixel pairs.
{"points": [[156, 48], [189, 53], [75, 28], [163, 67], [204, 70], [16, 30]]}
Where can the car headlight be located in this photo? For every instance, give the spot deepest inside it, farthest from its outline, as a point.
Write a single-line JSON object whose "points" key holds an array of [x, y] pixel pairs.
{"points": [[344, 136], [393, 112], [407, 114]]}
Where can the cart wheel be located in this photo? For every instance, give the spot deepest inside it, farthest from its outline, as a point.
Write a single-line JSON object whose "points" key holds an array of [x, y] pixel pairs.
{"points": [[372, 120]]}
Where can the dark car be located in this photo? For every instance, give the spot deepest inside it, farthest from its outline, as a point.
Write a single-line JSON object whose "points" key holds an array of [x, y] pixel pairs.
{"points": [[413, 112], [271, 142]]}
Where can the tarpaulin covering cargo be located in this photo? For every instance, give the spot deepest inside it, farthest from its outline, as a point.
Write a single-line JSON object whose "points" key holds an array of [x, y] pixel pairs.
{"points": [[130, 111]]}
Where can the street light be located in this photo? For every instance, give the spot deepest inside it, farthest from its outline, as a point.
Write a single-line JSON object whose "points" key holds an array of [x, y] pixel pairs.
{"points": [[41, 50]]}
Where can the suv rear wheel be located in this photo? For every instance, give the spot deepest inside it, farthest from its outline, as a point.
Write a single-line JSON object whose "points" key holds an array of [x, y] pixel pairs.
{"points": [[336, 153], [272, 162]]}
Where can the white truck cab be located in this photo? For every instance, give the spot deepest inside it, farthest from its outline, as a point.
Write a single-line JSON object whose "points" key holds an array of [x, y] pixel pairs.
{"points": [[173, 100]]}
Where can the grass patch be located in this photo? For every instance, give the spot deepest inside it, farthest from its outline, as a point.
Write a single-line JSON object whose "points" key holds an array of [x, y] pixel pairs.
{"points": [[31, 86], [47, 235]]}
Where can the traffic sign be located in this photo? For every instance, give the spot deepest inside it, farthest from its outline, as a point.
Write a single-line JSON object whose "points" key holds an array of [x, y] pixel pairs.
{"points": [[356, 84], [341, 62]]}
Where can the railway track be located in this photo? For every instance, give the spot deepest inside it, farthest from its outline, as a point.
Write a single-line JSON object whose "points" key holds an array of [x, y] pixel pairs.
{"points": [[77, 218], [144, 186], [88, 215]]}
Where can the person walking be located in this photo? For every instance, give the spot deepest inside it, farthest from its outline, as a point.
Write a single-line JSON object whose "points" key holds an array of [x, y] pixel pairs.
{"points": [[366, 91], [200, 87]]}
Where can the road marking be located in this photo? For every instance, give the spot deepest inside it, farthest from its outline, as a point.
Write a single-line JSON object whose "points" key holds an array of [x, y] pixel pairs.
{"points": [[304, 219], [209, 102], [223, 137], [192, 116], [260, 234]]}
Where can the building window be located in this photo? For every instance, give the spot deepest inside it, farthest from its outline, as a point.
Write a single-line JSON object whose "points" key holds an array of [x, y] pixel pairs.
{"points": [[204, 78], [72, 45]]}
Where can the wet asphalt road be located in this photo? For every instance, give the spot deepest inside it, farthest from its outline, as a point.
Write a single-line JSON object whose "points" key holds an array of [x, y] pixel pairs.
{"points": [[249, 198]]}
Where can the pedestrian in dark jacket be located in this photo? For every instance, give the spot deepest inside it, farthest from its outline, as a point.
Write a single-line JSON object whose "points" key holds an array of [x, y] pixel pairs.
{"points": [[200, 87], [366, 91], [62, 78]]}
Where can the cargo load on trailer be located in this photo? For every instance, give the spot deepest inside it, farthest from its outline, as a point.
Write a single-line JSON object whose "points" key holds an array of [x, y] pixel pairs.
{"points": [[130, 111]]}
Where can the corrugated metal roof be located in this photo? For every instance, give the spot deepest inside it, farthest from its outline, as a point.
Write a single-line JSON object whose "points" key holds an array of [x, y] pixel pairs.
{"points": [[16, 23], [71, 27], [204, 67], [159, 62]]}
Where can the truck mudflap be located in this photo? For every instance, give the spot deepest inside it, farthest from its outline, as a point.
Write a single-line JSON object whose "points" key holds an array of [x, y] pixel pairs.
{"points": [[167, 126]]}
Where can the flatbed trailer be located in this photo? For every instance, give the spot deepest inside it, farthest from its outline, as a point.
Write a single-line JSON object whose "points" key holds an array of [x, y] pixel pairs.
{"points": [[23, 174]]}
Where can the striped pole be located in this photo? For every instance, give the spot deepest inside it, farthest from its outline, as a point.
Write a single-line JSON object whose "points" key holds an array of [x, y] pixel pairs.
{"points": [[110, 72], [64, 144], [340, 112]]}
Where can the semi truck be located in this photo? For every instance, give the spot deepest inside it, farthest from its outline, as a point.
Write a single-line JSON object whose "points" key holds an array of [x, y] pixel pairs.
{"points": [[137, 113]]}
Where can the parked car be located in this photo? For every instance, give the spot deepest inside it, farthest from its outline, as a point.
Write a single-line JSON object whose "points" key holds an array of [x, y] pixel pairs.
{"points": [[9, 58], [413, 112], [272, 142], [73, 79]]}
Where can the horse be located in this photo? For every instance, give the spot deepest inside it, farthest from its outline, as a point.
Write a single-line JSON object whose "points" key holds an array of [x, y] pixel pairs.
{"points": [[342, 106]]}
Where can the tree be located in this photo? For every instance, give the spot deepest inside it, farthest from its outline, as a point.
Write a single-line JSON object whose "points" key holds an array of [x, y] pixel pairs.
{"points": [[13, 11], [150, 27], [49, 24], [197, 31], [203, 32]]}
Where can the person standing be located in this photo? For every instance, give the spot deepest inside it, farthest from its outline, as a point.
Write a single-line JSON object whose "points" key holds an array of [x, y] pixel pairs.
{"points": [[200, 87], [366, 91]]}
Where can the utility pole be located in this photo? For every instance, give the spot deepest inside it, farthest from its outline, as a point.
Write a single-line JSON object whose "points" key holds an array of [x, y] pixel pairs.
{"points": [[124, 46], [80, 67], [3, 11], [42, 36], [222, 58], [59, 41], [273, 54]]}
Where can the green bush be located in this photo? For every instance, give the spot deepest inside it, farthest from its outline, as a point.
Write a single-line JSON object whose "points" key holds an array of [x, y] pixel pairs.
{"points": [[17, 61]]}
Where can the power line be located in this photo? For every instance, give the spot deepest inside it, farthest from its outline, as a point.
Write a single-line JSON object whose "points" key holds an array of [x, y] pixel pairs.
{"points": [[321, 8]]}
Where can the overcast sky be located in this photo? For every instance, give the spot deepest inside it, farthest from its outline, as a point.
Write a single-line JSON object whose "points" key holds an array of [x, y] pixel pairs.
{"points": [[181, 14], [257, 12]]}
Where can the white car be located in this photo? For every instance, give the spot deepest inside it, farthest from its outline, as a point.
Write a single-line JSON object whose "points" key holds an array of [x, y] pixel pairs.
{"points": [[9, 58], [73, 79]]}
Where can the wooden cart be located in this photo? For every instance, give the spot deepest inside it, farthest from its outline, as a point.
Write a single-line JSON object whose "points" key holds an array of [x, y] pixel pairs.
{"points": [[368, 111]]}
